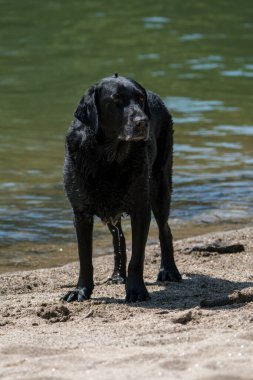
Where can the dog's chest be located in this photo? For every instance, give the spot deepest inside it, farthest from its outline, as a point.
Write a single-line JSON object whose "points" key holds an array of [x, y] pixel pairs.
{"points": [[109, 192]]}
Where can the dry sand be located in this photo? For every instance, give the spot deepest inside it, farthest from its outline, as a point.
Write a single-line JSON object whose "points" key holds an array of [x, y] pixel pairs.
{"points": [[171, 337]]}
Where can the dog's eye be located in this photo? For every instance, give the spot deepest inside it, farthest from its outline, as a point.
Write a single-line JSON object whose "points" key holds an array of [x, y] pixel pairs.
{"points": [[141, 99], [116, 98]]}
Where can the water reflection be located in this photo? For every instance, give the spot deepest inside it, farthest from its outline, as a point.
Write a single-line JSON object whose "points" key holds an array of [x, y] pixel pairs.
{"points": [[242, 130], [155, 22], [238, 73], [191, 37]]}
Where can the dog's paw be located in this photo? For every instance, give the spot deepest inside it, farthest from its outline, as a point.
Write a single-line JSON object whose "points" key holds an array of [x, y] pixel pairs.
{"points": [[79, 294], [116, 278], [137, 295], [136, 291], [171, 275]]}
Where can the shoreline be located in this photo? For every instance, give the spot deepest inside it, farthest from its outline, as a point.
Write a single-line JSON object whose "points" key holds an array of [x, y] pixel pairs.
{"points": [[170, 336], [19, 256]]}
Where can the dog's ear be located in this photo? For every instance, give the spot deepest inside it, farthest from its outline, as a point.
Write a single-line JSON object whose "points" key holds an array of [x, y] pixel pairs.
{"points": [[146, 106], [87, 111]]}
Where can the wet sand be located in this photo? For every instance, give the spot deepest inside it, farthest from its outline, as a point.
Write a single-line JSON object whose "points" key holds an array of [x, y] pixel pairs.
{"points": [[174, 335]]}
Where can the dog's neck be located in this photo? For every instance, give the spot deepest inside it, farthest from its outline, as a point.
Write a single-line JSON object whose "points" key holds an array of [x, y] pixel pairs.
{"points": [[115, 150]]}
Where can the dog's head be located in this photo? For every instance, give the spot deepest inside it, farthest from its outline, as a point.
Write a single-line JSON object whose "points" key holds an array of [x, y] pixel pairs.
{"points": [[117, 107]]}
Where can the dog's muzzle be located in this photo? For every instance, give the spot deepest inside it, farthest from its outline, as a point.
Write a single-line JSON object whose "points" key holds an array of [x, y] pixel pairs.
{"points": [[137, 130]]}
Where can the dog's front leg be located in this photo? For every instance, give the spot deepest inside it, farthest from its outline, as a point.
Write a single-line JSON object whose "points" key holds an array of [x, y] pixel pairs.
{"points": [[135, 288], [85, 285]]}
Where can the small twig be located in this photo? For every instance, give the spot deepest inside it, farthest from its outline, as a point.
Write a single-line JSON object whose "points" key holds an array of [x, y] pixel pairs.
{"points": [[219, 248], [89, 314], [67, 286]]}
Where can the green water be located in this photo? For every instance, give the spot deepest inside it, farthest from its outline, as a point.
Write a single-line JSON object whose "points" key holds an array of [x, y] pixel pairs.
{"points": [[197, 55]]}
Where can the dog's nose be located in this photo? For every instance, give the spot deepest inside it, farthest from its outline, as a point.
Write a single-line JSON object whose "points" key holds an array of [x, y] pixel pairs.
{"points": [[141, 121]]}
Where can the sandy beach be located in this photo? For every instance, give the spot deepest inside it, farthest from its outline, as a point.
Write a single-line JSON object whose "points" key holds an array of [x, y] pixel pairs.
{"points": [[201, 328]]}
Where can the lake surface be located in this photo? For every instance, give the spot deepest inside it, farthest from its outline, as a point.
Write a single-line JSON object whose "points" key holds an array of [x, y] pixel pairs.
{"points": [[197, 55]]}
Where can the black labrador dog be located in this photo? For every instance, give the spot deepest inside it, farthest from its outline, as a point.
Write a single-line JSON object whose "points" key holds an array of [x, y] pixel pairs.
{"points": [[119, 160]]}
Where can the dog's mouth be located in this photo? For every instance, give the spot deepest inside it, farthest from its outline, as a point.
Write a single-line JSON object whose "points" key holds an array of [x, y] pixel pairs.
{"points": [[131, 138], [130, 133]]}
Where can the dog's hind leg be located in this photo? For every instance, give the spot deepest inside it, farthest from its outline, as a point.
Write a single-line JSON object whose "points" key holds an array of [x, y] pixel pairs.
{"points": [[119, 273]]}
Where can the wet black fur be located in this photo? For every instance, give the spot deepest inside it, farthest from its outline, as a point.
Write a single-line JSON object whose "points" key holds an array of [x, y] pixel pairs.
{"points": [[119, 160]]}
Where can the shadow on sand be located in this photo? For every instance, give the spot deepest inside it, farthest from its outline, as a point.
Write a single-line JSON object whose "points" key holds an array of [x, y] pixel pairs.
{"points": [[186, 294]]}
